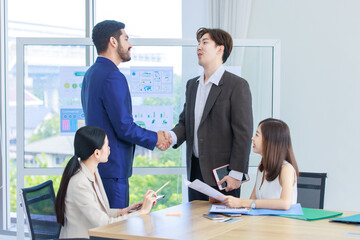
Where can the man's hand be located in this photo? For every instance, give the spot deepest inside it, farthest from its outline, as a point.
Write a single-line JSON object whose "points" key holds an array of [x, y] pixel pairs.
{"points": [[164, 140], [231, 183], [214, 200]]}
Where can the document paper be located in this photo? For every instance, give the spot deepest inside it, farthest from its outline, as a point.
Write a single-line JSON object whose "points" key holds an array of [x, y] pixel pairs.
{"points": [[225, 209], [294, 210], [204, 188]]}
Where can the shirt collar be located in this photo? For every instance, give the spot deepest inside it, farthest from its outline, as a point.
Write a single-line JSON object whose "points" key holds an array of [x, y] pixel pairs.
{"points": [[215, 77]]}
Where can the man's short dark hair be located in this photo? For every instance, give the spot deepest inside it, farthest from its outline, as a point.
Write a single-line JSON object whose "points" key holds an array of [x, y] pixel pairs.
{"points": [[103, 31], [220, 37]]}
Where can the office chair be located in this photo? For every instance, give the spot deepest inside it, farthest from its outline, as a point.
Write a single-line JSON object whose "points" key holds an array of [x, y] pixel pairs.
{"points": [[39, 202], [311, 189]]}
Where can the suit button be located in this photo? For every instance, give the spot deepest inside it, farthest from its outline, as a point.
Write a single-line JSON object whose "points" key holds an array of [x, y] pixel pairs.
{"points": [[201, 140]]}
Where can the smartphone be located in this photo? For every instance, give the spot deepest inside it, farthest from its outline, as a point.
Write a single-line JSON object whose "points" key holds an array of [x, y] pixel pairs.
{"points": [[232, 214], [213, 216], [221, 172], [160, 197]]}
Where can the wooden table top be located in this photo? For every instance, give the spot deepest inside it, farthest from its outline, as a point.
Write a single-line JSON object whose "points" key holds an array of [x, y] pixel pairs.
{"points": [[191, 225]]}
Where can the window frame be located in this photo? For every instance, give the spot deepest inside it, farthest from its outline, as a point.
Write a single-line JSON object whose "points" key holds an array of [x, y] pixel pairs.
{"points": [[22, 42]]}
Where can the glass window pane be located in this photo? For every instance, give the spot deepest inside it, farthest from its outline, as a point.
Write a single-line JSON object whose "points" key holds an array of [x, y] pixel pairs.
{"points": [[26, 19], [256, 65], [43, 18], [37, 18], [153, 57], [139, 184], [143, 18], [43, 100]]}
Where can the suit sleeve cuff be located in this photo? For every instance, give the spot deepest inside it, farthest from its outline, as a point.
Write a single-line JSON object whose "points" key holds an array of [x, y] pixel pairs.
{"points": [[173, 138], [235, 174]]}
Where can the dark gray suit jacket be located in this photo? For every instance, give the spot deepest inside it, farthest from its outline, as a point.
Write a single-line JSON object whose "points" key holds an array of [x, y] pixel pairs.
{"points": [[225, 129]]}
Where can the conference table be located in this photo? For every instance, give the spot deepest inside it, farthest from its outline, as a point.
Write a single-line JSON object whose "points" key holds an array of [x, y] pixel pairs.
{"points": [[192, 225]]}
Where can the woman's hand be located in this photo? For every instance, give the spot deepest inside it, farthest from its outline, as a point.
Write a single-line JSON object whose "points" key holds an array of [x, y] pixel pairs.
{"points": [[149, 201], [233, 202], [132, 208]]}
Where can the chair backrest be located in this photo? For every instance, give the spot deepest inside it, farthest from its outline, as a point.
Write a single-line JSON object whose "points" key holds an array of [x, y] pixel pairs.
{"points": [[39, 202], [311, 189]]}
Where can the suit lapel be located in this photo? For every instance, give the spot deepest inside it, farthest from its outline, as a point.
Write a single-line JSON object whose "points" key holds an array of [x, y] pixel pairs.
{"points": [[92, 180], [101, 192], [193, 90], [100, 196]]}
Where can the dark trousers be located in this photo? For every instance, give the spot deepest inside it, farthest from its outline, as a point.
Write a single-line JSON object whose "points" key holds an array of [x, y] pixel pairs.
{"points": [[196, 174], [117, 191]]}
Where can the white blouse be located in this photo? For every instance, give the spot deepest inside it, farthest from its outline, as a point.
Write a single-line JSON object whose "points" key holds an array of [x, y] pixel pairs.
{"points": [[272, 190]]}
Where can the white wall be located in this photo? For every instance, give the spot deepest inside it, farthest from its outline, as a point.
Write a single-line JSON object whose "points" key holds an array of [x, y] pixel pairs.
{"points": [[320, 86]]}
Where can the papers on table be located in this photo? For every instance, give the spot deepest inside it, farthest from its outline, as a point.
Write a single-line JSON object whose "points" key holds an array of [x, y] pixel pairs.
{"points": [[225, 209], [294, 210], [204, 188]]}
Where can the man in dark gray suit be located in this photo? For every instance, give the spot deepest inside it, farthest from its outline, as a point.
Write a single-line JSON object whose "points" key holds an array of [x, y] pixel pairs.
{"points": [[216, 121]]}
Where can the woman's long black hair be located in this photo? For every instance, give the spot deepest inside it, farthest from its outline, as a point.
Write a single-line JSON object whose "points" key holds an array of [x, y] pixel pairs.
{"points": [[277, 147], [87, 140]]}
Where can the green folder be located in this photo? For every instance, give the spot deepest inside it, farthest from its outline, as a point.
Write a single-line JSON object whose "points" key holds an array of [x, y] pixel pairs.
{"points": [[311, 214]]}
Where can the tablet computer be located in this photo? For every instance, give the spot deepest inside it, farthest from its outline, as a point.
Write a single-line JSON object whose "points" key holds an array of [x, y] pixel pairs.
{"points": [[221, 172]]}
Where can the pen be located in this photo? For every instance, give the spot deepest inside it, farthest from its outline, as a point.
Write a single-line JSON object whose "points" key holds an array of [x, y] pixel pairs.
{"points": [[162, 187]]}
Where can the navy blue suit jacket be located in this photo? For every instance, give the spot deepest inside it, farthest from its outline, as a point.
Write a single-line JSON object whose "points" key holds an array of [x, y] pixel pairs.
{"points": [[106, 102]]}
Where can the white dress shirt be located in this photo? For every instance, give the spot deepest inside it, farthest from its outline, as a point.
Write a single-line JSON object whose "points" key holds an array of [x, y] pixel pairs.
{"points": [[201, 97]]}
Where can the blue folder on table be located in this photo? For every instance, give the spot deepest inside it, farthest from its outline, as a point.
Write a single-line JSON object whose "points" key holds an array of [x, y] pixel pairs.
{"points": [[354, 219], [294, 210]]}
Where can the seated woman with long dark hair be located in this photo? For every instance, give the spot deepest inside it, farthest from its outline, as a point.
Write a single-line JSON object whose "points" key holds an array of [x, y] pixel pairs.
{"points": [[276, 179], [81, 202]]}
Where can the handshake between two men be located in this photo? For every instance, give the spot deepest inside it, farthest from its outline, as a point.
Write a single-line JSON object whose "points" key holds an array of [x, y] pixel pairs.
{"points": [[164, 140]]}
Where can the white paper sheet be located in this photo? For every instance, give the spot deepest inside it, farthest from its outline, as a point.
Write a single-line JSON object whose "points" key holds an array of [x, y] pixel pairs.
{"points": [[204, 188], [225, 209]]}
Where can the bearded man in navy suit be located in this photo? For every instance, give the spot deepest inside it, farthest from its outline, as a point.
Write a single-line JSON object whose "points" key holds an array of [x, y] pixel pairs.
{"points": [[106, 102]]}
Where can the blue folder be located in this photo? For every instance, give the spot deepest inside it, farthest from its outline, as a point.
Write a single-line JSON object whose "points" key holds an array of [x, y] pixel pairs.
{"points": [[294, 210], [354, 219]]}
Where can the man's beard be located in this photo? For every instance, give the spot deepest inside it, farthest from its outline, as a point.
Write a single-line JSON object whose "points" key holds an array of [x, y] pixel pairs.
{"points": [[123, 54]]}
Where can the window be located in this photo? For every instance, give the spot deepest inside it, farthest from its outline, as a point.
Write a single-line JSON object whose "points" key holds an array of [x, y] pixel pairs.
{"points": [[45, 150], [55, 39], [143, 18]]}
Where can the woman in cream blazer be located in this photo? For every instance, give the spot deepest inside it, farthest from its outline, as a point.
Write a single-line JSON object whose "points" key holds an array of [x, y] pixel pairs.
{"points": [[81, 202]]}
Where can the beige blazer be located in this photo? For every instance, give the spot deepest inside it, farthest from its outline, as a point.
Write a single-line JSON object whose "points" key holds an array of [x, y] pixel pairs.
{"points": [[86, 205]]}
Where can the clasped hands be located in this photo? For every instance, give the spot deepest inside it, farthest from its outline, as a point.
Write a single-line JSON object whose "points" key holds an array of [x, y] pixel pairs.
{"points": [[164, 140]]}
